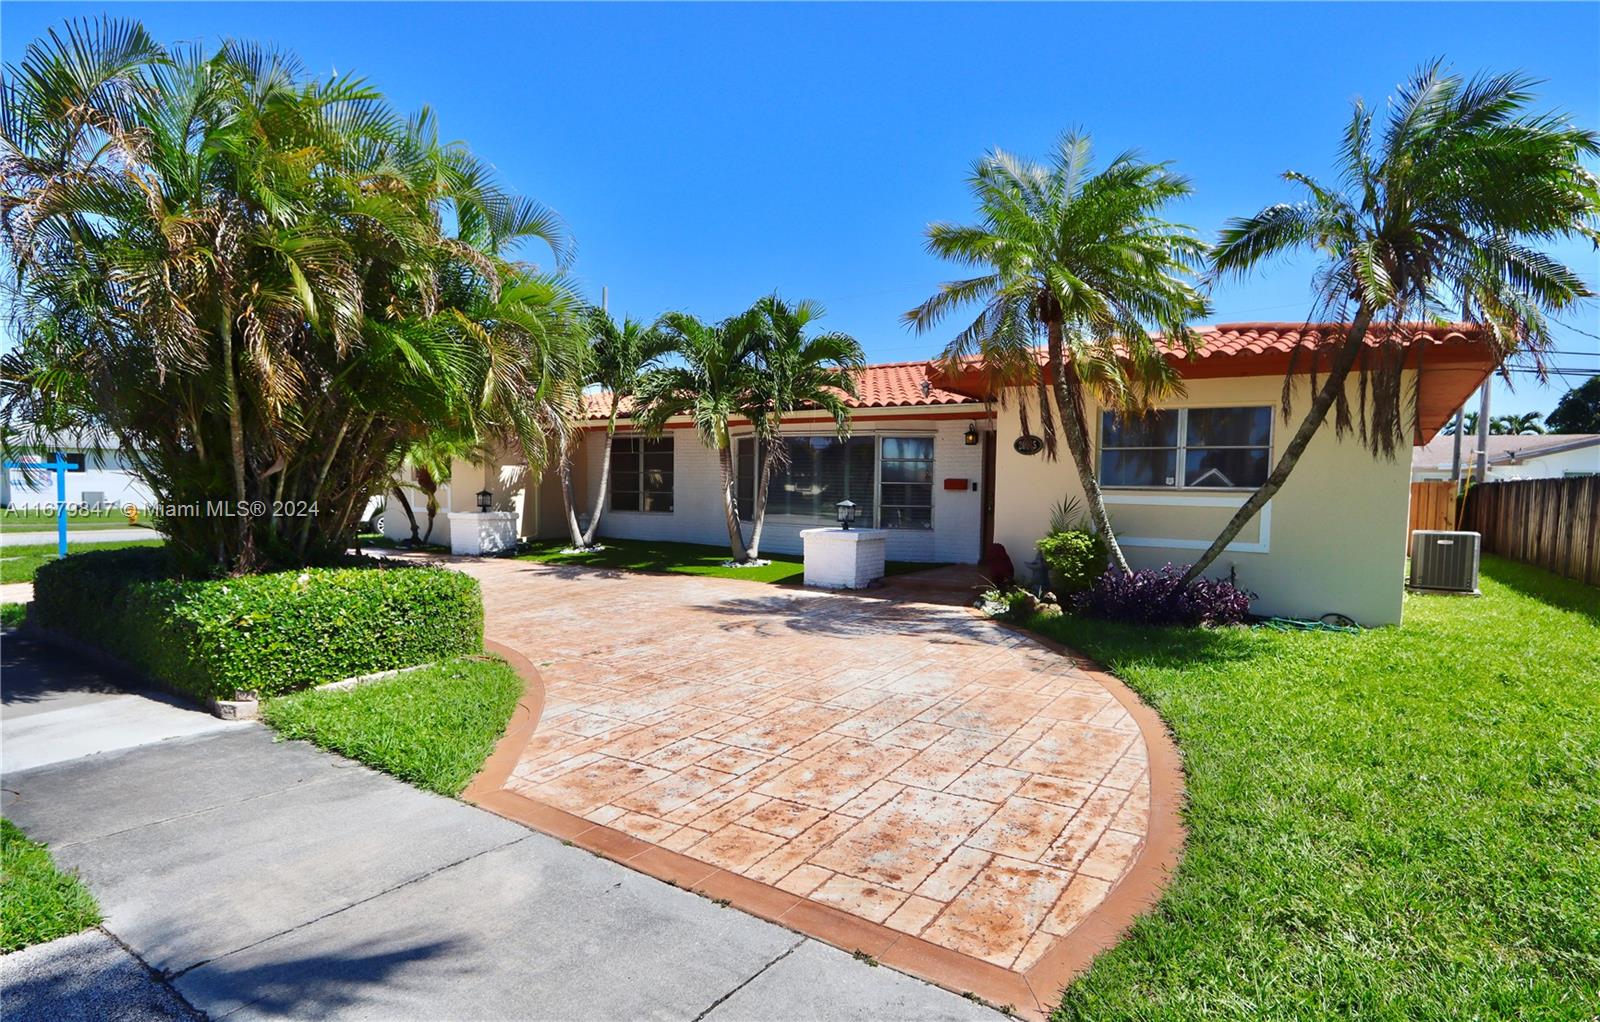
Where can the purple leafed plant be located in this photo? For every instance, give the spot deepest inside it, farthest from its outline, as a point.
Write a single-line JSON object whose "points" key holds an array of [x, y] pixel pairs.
{"points": [[1156, 596]]}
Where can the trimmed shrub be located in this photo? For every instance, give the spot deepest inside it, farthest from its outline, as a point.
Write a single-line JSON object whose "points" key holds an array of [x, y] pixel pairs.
{"points": [[1074, 559], [1156, 596], [258, 634]]}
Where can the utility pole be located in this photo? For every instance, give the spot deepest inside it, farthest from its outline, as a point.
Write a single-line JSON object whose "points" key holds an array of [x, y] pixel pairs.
{"points": [[1455, 461], [604, 297], [1483, 430]]}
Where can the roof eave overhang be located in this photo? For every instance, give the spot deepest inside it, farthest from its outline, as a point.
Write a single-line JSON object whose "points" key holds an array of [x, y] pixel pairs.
{"points": [[1452, 370]]}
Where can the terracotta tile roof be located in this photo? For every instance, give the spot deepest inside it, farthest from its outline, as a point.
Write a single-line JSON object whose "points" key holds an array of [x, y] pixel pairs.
{"points": [[898, 385], [1240, 343], [1242, 340], [1454, 356], [1227, 349], [889, 385]]}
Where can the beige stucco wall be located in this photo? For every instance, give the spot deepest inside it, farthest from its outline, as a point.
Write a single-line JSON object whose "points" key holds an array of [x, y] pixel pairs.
{"points": [[506, 476], [1333, 539]]}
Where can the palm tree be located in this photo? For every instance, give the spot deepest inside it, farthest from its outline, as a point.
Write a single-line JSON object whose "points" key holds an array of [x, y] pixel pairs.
{"points": [[1526, 424], [1469, 425], [432, 462], [620, 356], [1438, 213], [259, 283], [713, 386], [795, 371], [1087, 258]]}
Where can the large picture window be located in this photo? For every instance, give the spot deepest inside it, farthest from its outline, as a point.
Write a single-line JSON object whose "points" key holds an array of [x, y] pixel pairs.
{"points": [[641, 473], [1188, 448], [821, 471]]}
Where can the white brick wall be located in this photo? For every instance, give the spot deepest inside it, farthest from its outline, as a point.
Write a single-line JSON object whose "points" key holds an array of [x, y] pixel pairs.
{"points": [[844, 558], [697, 501]]}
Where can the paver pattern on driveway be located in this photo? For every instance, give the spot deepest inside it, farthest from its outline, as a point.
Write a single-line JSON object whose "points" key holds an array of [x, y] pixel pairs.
{"points": [[909, 764]]}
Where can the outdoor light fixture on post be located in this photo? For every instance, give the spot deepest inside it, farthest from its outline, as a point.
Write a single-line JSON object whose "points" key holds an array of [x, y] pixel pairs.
{"points": [[847, 513], [485, 501], [970, 437]]}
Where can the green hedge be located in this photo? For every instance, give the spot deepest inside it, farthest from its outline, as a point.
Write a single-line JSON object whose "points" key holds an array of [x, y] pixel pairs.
{"points": [[258, 634]]}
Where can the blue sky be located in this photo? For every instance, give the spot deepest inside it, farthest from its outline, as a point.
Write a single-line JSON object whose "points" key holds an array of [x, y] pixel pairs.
{"points": [[706, 155]]}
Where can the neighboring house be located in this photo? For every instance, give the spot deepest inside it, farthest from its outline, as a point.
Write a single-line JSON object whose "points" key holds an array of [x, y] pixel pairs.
{"points": [[101, 477], [1547, 456], [1333, 539]]}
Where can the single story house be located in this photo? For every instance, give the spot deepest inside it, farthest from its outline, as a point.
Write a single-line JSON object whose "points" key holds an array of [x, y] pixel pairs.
{"points": [[1546, 456], [101, 477], [940, 460]]}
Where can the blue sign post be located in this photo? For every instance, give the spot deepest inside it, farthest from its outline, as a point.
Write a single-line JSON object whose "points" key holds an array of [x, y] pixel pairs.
{"points": [[61, 466]]}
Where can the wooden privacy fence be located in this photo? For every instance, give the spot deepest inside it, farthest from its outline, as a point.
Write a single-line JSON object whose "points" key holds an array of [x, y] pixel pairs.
{"points": [[1550, 523], [1432, 507]]}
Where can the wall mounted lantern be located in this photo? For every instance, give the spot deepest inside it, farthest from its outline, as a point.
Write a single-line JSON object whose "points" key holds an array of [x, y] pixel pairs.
{"points": [[970, 437], [485, 500]]}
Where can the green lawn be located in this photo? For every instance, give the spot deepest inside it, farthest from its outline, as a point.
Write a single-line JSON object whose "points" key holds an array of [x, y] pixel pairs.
{"points": [[18, 563], [38, 902], [682, 559], [1401, 824], [433, 727], [17, 520]]}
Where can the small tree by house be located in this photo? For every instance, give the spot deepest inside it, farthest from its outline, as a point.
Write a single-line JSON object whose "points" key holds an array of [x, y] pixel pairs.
{"points": [[619, 357], [1440, 210], [794, 370], [712, 387]]}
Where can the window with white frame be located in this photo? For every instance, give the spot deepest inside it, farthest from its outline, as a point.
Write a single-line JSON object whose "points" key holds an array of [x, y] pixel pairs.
{"points": [[641, 473], [905, 488], [811, 476], [890, 479], [1187, 448]]}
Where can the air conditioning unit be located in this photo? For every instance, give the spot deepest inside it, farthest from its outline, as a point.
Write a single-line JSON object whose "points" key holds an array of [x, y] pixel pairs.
{"points": [[1444, 562]]}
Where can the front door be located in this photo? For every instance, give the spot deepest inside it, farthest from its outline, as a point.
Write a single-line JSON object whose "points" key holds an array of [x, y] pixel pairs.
{"points": [[986, 492]]}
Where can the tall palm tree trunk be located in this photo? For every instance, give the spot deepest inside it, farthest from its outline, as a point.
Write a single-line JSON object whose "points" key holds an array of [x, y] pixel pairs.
{"points": [[593, 530], [729, 509], [230, 393], [432, 507], [759, 515], [411, 516], [1332, 387], [1069, 402], [568, 505]]}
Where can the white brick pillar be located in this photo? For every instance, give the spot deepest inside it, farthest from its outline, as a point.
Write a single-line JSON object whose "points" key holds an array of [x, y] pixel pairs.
{"points": [[844, 558], [475, 533]]}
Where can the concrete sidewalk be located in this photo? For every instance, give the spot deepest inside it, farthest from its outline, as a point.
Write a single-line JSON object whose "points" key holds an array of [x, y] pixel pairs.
{"points": [[55, 708], [271, 880]]}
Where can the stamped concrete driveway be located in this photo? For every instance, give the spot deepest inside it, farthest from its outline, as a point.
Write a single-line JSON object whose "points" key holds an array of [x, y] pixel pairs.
{"points": [[896, 778]]}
